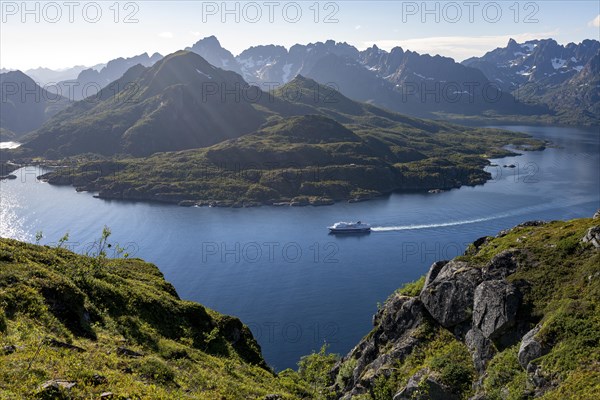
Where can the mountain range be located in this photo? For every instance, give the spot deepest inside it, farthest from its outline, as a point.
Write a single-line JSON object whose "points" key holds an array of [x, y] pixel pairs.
{"points": [[55, 91], [44, 76], [401, 81], [150, 109], [428, 86], [535, 61], [91, 80], [565, 78], [536, 81]]}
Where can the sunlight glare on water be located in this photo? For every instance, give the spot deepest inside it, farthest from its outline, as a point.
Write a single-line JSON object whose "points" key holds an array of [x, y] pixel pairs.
{"points": [[11, 225]]}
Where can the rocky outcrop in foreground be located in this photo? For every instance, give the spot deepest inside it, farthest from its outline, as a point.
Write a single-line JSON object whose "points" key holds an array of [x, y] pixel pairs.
{"points": [[487, 304]]}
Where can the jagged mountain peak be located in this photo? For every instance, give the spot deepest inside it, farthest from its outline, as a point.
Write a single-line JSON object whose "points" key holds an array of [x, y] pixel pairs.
{"points": [[210, 49], [211, 41], [16, 75], [541, 61]]}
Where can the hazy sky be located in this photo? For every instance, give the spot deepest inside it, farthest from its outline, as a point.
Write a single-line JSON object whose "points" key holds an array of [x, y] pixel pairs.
{"points": [[67, 33]]}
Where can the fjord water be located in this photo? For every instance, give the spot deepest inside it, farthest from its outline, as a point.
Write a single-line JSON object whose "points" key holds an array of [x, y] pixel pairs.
{"points": [[279, 270]]}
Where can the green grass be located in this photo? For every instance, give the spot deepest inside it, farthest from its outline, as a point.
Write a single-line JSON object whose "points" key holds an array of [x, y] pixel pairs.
{"points": [[99, 304], [412, 288]]}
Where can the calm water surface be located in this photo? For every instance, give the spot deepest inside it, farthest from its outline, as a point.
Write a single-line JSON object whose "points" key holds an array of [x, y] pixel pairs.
{"points": [[279, 270]]}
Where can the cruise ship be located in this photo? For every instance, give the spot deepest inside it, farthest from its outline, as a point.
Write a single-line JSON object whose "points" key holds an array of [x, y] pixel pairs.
{"points": [[350, 227]]}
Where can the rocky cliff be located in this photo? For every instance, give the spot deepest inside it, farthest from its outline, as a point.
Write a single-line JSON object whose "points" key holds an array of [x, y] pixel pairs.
{"points": [[515, 317]]}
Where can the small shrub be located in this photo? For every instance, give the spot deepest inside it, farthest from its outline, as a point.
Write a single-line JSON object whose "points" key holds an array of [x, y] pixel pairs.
{"points": [[171, 351], [314, 369], [567, 246], [384, 388], [24, 299], [455, 367], [346, 370], [503, 370], [157, 370], [6, 256]]}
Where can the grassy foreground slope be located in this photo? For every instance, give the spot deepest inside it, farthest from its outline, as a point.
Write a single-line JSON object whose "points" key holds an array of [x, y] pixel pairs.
{"points": [[76, 327]]}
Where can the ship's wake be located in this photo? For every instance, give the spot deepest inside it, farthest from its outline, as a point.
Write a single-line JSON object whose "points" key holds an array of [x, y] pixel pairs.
{"points": [[430, 226]]}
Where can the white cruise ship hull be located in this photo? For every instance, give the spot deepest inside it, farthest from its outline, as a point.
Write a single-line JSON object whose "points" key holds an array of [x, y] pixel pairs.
{"points": [[349, 230]]}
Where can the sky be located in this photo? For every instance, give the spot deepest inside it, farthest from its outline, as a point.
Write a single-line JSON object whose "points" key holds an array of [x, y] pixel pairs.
{"points": [[63, 34]]}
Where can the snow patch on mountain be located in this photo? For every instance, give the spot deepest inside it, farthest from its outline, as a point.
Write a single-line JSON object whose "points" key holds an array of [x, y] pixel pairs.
{"points": [[527, 71], [247, 62], [528, 46], [558, 63], [287, 69], [423, 77], [203, 74]]}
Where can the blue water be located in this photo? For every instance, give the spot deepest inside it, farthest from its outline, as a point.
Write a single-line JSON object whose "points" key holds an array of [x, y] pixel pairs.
{"points": [[279, 270]]}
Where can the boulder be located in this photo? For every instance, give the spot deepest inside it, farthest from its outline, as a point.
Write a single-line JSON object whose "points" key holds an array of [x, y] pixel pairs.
{"points": [[530, 348], [124, 351], [495, 307], [477, 244], [397, 316], [62, 345], [521, 225], [11, 348], [501, 265], [596, 215], [481, 348], [391, 340], [433, 272], [98, 379], [57, 384], [592, 236], [422, 386], [449, 297]]}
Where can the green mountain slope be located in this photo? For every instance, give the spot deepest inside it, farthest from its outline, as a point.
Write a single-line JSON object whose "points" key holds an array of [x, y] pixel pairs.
{"points": [[180, 102], [115, 325], [341, 150]]}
